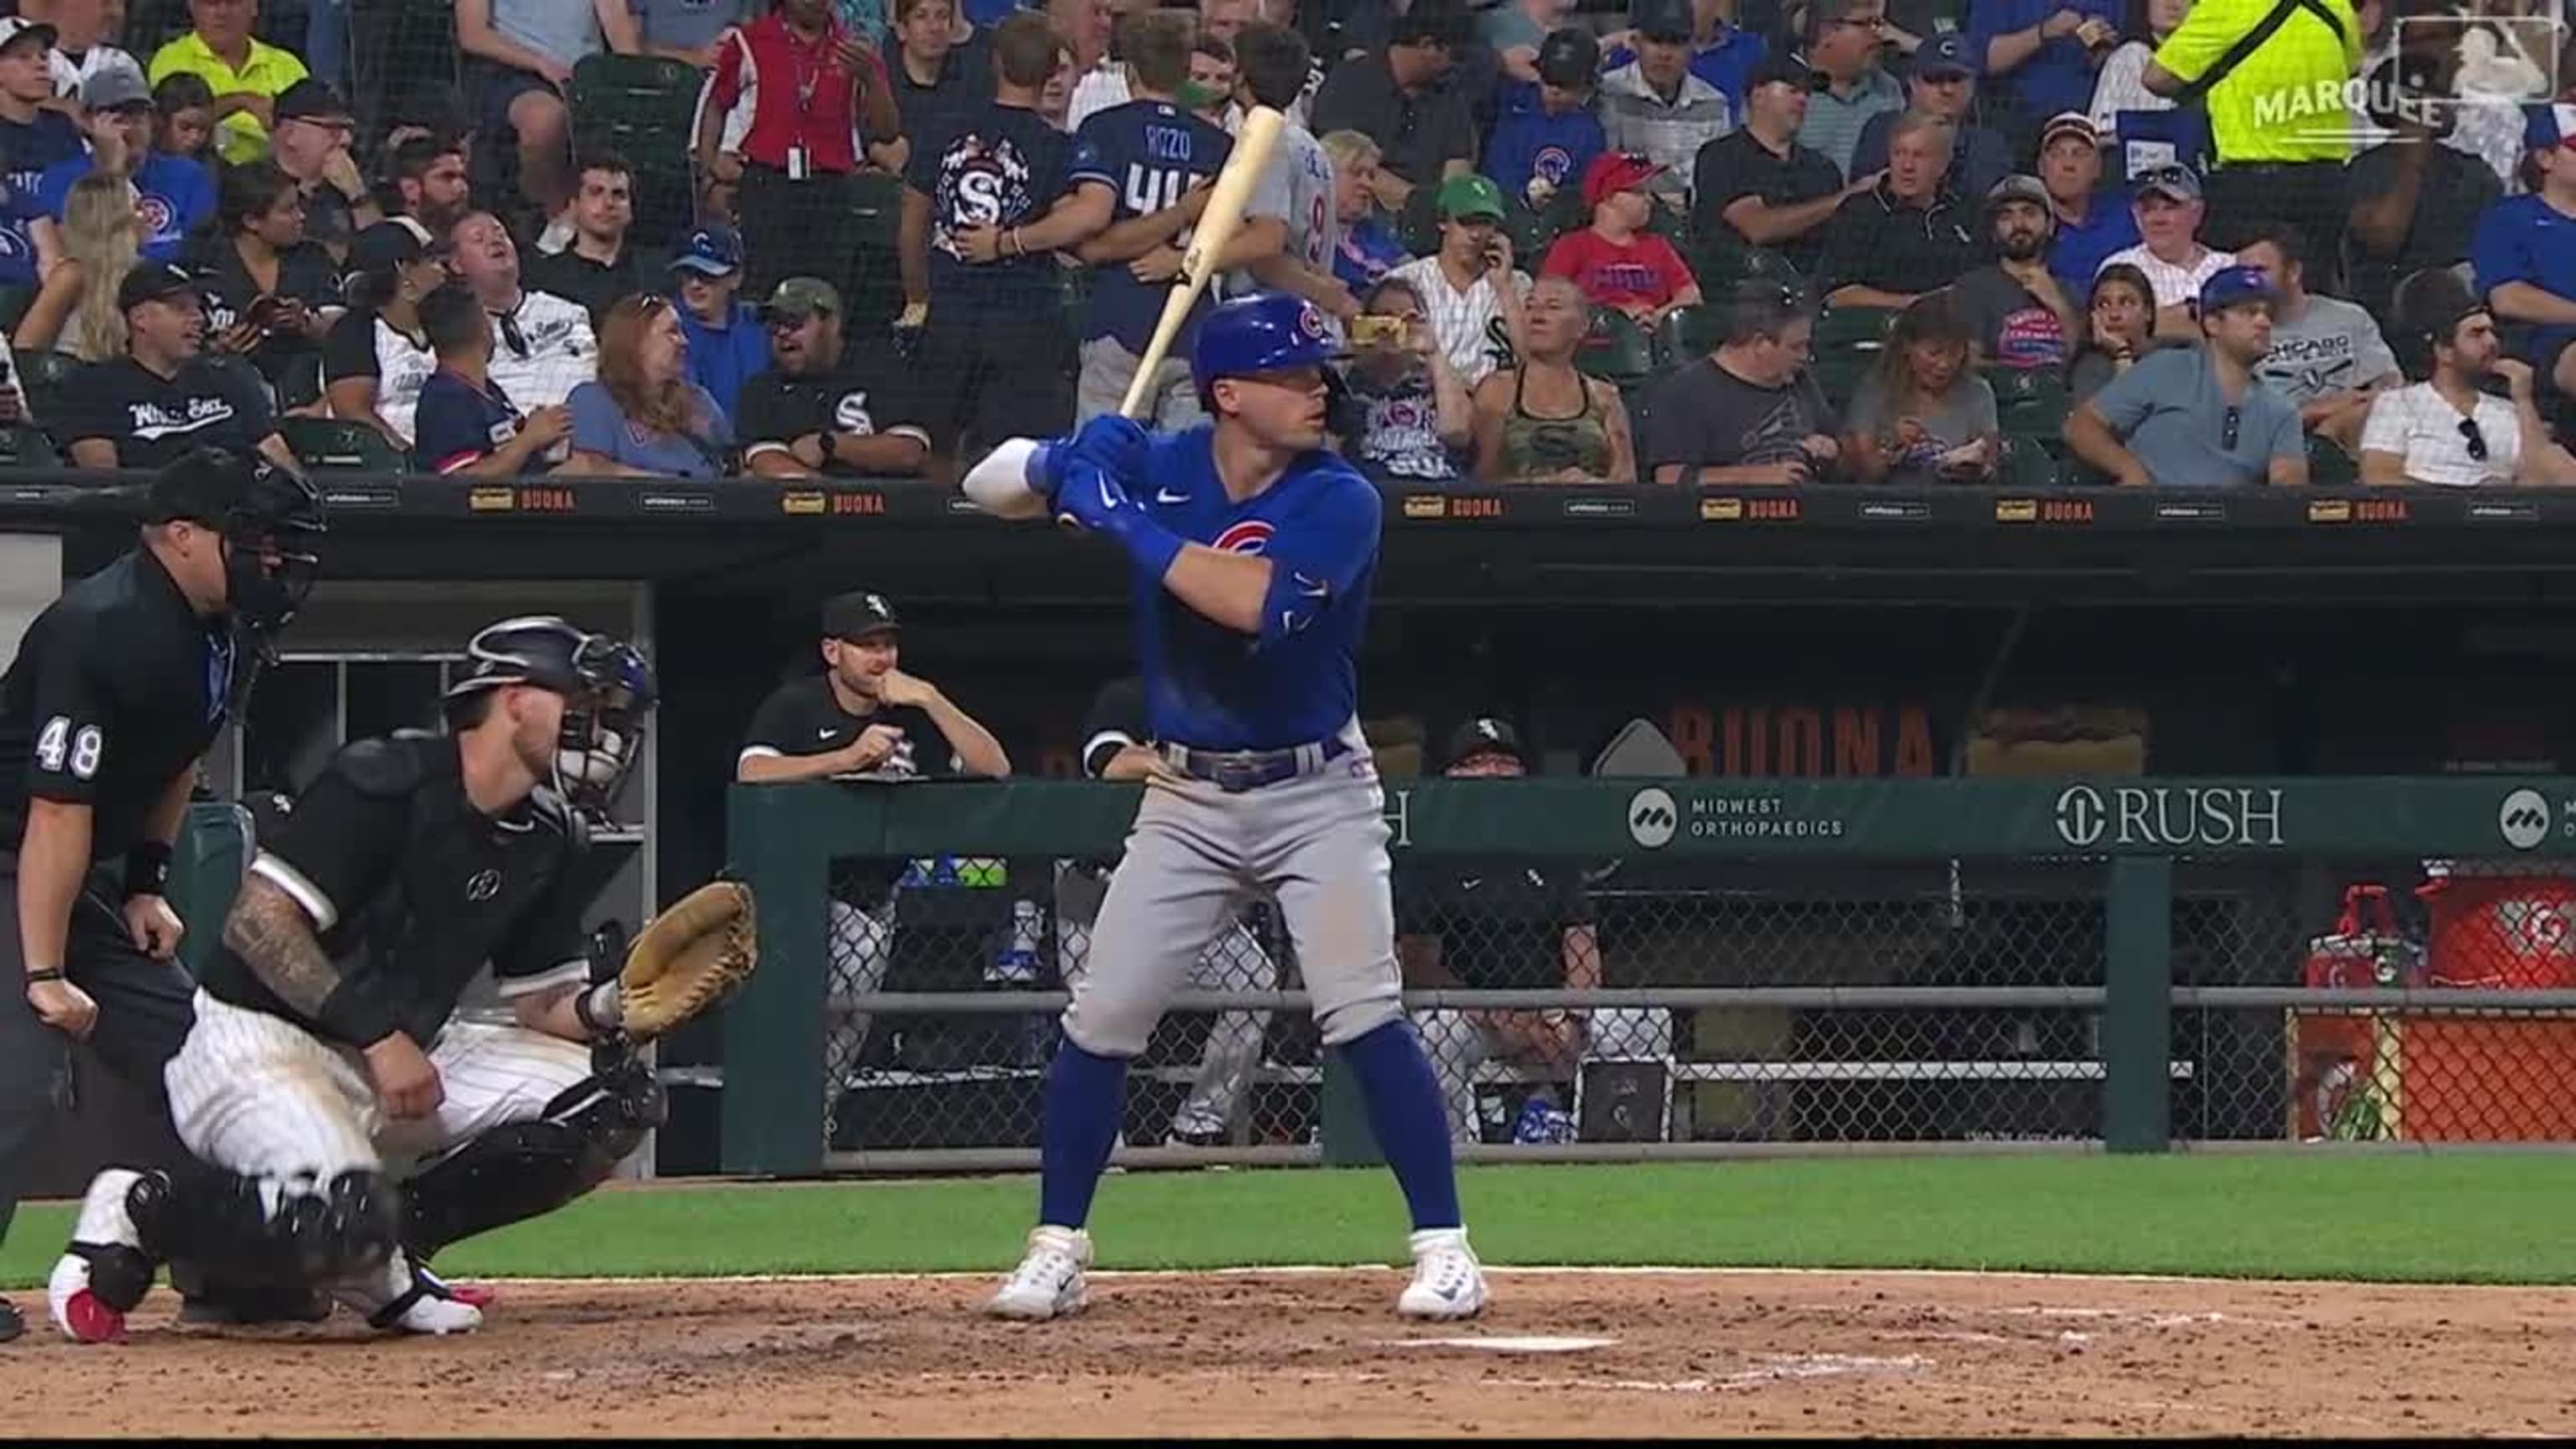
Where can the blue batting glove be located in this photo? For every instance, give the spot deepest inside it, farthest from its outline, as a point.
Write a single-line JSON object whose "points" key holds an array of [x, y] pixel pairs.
{"points": [[1115, 443], [1090, 498]]}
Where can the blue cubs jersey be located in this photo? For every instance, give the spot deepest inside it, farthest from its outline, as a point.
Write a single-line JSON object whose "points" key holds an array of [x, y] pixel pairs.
{"points": [[1209, 686], [1529, 142], [1147, 153], [173, 196]]}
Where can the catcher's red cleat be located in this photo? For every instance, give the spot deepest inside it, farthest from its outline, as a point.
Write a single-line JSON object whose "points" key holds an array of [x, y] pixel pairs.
{"points": [[472, 1295], [89, 1321]]}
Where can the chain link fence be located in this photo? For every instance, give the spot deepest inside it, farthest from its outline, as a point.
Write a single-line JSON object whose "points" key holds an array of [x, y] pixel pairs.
{"points": [[1739, 1004]]}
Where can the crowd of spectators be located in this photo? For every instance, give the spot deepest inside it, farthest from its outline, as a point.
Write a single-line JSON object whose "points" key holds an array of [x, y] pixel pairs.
{"points": [[1690, 240]]}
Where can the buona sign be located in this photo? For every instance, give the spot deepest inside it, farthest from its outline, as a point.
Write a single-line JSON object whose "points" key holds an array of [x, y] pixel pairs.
{"points": [[2208, 816]]}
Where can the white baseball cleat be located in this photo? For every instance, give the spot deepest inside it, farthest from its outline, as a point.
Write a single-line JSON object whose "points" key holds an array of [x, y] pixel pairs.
{"points": [[1049, 1281], [1447, 1283], [398, 1298], [104, 1272]]}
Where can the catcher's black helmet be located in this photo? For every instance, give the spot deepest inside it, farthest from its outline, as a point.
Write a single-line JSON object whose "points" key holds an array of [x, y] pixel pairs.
{"points": [[607, 687]]}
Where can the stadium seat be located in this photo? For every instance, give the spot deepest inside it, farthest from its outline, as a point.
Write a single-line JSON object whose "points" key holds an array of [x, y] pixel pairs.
{"points": [[2026, 464], [1532, 233], [1848, 343], [13, 305], [24, 445], [42, 376], [2030, 402], [1616, 350], [335, 443], [645, 109], [1688, 333], [2329, 466]]}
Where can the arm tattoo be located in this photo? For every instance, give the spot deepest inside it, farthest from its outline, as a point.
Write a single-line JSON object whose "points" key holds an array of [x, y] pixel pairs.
{"points": [[271, 933]]}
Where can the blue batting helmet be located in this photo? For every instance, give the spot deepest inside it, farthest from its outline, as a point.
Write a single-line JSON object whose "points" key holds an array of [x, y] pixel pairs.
{"points": [[1263, 332]]}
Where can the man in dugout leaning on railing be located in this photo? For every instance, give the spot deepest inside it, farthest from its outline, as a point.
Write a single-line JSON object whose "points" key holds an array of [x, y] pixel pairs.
{"points": [[1507, 923]]}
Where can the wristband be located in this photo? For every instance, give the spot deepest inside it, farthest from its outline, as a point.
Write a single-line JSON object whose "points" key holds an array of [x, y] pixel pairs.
{"points": [[50, 973], [349, 1014], [147, 869], [1042, 472], [1150, 544], [600, 1009]]}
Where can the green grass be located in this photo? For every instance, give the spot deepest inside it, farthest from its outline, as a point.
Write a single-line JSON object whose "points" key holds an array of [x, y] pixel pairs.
{"points": [[2499, 1219]]}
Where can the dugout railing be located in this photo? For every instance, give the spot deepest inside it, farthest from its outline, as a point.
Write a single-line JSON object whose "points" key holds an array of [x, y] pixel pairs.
{"points": [[1787, 966]]}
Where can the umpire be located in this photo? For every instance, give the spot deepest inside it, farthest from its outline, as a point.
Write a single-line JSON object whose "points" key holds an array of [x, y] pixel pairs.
{"points": [[116, 691]]}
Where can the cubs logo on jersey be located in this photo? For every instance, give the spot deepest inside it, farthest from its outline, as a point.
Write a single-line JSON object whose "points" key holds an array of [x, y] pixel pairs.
{"points": [[1251, 536], [1552, 164]]}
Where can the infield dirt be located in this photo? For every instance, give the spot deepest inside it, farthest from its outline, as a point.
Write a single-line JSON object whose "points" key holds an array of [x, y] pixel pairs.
{"points": [[1312, 1352]]}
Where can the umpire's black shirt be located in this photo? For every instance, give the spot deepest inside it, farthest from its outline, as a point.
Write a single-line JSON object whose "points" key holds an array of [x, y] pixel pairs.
{"points": [[117, 690], [411, 889]]}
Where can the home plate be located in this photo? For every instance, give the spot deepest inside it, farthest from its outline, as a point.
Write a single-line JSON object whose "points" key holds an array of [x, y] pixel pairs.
{"points": [[1504, 1343]]}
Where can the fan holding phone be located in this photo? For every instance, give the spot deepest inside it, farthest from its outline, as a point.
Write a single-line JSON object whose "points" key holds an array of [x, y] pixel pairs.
{"points": [[1922, 416], [270, 293]]}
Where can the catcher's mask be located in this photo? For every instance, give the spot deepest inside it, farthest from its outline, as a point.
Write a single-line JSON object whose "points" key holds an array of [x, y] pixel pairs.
{"points": [[608, 692], [270, 522]]}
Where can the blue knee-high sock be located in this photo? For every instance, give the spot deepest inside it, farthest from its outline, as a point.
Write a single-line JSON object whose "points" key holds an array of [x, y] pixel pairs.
{"points": [[1411, 1121], [1086, 1097]]}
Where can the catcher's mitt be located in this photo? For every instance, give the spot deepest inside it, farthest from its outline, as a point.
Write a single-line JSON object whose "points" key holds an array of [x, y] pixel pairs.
{"points": [[689, 958]]}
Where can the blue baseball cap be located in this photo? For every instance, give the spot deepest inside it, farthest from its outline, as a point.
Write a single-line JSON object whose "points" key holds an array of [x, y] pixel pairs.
{"points": [[1948, 52], [2229, 286], [2548, 126], [712, 251]]}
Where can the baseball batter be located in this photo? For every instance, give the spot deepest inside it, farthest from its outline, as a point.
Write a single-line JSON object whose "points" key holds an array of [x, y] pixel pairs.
{"points": [[1253, 552], [344, 1127], [1114, 748]]}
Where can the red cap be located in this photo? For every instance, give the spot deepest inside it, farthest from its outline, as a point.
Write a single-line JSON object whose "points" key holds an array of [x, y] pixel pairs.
{"points": [[1612, 172]]}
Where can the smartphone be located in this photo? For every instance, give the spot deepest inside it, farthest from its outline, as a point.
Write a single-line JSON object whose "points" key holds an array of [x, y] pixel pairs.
{"points": [[1367, 329]]}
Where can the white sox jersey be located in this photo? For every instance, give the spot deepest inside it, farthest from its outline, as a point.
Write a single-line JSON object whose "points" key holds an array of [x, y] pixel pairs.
{"points": [[411, 890]]}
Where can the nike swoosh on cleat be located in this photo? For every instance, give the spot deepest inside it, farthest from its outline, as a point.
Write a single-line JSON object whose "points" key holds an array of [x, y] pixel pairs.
{"points": [[1165, 495]]}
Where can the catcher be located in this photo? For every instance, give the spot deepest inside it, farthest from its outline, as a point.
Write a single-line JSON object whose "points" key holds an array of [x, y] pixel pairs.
{"points": [[345, 1128]]}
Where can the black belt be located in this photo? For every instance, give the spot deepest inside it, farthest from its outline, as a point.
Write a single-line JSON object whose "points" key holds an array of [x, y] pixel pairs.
{"points": [[1235, 771]]}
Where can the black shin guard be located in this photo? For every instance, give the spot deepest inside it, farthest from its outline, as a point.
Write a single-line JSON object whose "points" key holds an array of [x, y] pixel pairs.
{"points": [[518, 1171], [318, 1232]]}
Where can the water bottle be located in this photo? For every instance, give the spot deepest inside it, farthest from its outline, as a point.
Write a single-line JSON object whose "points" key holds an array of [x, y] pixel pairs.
{"points": [[1015, 968], [1542, 1121]]}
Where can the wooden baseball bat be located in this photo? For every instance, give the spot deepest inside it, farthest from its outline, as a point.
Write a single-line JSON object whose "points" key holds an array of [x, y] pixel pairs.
{"points": [[1216, 226]]}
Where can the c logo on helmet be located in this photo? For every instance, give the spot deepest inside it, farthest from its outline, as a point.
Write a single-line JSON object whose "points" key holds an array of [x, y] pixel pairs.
{"points": [[1311, 322], [1251, 536]]}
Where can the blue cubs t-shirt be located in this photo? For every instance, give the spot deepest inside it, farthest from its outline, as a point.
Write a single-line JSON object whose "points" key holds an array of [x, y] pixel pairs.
{"points": [[1147, 153], [173, 195], [1529, 142]]}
